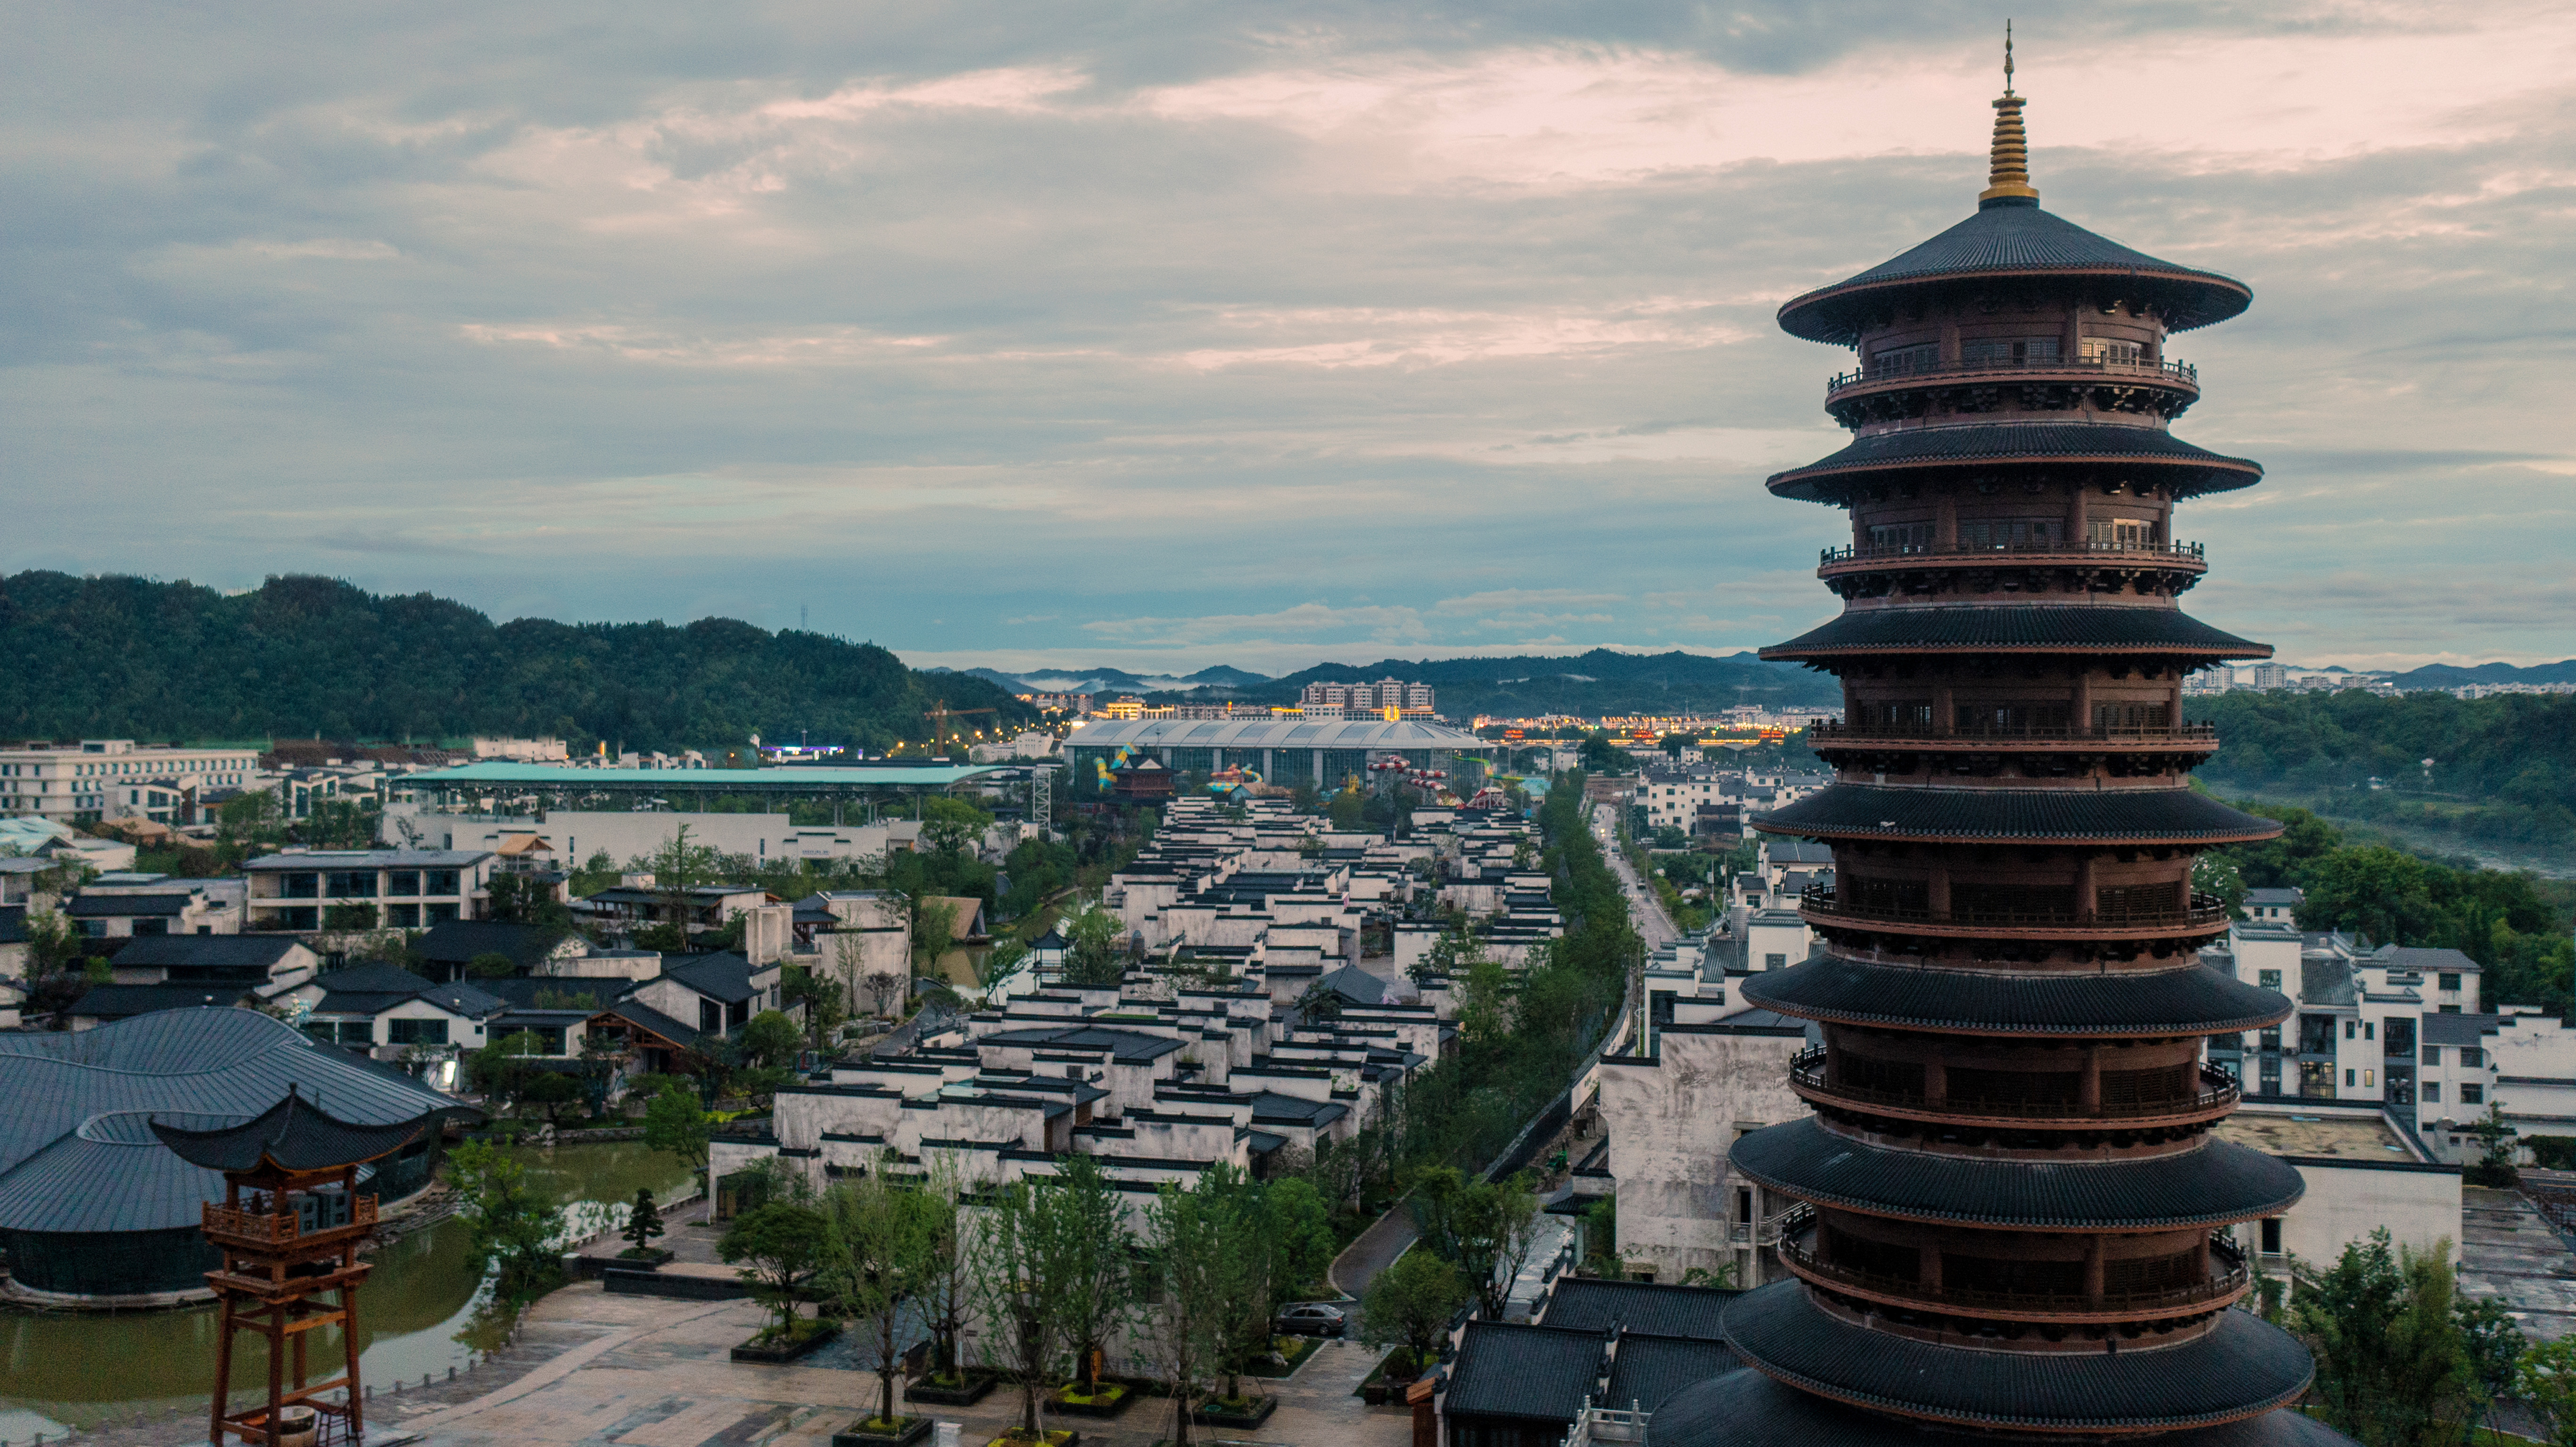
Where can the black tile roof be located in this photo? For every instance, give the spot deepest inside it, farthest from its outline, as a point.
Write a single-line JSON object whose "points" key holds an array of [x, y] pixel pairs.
{"points": [[2459, 1029], [1745, 1408], [2017, 628], [523, 992], [2243, 1365], [262, 952], [2187, 1000], [1590, 1304], [1648, 1368], [123, 1002], [1532, 1372], [2014, 240], [645, 1016], [458, 941], [720, 976], [2191, 470], [294, 1133], [119, 906], [2211, 1184], [1126, 1047], [2111, 816]]}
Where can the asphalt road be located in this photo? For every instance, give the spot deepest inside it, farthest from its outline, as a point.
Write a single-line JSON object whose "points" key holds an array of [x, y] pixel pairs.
{"points": [[1646, 911]]}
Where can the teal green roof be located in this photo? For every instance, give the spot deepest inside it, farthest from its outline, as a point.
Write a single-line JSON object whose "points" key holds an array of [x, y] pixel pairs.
{"points": [[700, 780]]}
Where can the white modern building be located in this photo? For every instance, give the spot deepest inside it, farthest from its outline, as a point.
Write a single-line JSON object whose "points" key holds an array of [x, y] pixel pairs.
{"points": [[102, 778]]}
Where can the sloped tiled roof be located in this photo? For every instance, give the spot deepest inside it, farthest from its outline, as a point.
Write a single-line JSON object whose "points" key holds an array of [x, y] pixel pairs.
{"points": [[1649, 1368], [1985, 444], [294, 1133], [720, 976], [2187, 1000], [458, 941], [2113, 816], [1591, 1304], [218, 951], [2017, 628], [1746, 1408], [2211, 1184], [122, 1002], [1534, 1372]]}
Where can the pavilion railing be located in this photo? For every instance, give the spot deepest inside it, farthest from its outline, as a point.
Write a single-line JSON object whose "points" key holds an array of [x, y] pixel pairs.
{"points": [[1808, 1071]]}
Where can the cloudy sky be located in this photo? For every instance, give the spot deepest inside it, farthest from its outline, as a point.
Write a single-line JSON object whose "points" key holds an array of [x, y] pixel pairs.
{"points": [[1164, 335]]}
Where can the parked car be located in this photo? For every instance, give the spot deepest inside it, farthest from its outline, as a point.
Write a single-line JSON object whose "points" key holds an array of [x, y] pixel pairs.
{"points": [[1311, 1318]]}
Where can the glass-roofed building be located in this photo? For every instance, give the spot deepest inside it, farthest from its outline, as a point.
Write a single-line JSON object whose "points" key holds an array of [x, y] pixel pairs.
{"points": [[1283, 751]]}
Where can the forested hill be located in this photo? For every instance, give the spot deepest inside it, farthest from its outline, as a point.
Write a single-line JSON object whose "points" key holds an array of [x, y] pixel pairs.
{"points": [[131, 658], [1591, 684], [2504, 767]]}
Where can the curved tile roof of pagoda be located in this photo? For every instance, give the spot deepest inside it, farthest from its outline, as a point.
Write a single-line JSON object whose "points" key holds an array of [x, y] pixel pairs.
{"points": [[1747, 1408], [2242, 1366], [294, 1134], [2190, 1000], [2017, 628], [2002, 241], [2057, 816], [2213, 1184], [1990, 444]]}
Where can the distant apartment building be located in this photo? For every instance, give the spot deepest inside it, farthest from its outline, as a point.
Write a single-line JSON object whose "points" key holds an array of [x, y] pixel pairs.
{"points": [[1077, 704], [522, 751], [1388, 697], [107, 778], [303, 890]]}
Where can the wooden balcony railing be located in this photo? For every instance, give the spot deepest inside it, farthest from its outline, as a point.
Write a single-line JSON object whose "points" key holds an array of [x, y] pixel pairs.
{"points": [[2228, 1277], [1881, 372], [1809, 1074], [1823, 901], [1879, 552], [1830, 731], [277, 1228]]}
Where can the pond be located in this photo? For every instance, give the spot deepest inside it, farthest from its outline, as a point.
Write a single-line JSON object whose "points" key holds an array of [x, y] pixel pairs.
{"points": [[65, 1370]]}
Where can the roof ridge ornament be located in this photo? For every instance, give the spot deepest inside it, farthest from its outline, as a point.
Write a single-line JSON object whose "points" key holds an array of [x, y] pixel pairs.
{"points": [[2008, 174]]}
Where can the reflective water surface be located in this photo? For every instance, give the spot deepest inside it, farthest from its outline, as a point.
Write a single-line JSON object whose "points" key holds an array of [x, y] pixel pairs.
{"points": [[416, 1315]]}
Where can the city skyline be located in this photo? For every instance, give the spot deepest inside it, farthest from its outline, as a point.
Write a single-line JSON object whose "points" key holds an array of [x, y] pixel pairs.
{"points": [[1163, 343]]}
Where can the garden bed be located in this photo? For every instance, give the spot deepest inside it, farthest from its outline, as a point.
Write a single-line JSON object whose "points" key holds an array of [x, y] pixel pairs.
{"points": [[1292, 1351], [1382, 1384], [1234, 1412], [807, 1335], [648, 1259], [864, 1433], [1059, 1437], [969, 1388], [1109, 1401]]}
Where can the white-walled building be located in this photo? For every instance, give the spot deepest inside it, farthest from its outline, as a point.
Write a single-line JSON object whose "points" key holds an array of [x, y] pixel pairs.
{"points": [[103, 778]]}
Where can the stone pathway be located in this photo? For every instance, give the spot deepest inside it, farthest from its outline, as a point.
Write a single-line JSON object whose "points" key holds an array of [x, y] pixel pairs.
{"points": [[2509, 1252], [646, 1372]]}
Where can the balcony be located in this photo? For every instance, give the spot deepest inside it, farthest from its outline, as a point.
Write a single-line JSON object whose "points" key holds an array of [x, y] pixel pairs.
{"points": [[1822, 904], [317, 1217], [2166, 374], [2227, 1279], [1808, 1077], [1824, 732], [1864, 557]]}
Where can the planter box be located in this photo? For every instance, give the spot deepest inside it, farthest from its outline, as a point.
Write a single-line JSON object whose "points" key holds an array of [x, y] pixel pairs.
{"points": [[750, 1351], [914, 1429], [1301, 1350], [1110, 1408], [652, 1258], [1217, 1417], [978, 1386]]}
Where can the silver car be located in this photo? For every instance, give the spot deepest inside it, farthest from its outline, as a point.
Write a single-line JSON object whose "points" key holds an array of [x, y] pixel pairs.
{"points": [[1311, 1318]]}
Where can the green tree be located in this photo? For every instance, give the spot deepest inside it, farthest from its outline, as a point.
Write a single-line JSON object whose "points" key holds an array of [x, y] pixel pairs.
{"points": [[504, 1070], [550, 1091], [677, 1122], [824, 1000], [781, 1246], [677, 868], [1013, 1295], [770, 1041], [2498, 1151], [880, 1252], [511, 1228], [643, 1223], [1348, 811], [2494, 1345], [1485, 1003], [2545, 1382], [1300, 1227], [1185, 1280], [934, 933], [1092, 955], [1082, 1249], [951, 825], [491, 965], [1410, 1304], [516, 898], [1452, 956], [947, 1274], [2392, 1362]]}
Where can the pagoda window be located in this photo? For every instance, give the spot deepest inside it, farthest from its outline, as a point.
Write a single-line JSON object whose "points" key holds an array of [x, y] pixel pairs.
{"points": [[1872, 1258], [1971, 1087], [2011, 901], [1888, 897], [2119, 533], [2011, 718], [1900, 537], [2007, 532], [1887, 1077], [2017, 1278], [2009, 351], [1897, 713], [2114, 350], [2147, 1087], [2131, 717], [1904, 361], [2138, 901], [2145, 1275]]}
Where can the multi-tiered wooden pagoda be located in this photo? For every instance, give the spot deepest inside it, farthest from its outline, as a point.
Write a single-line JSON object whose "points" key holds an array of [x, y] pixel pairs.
{"points": [[289, 1229], [2010, 1214]]}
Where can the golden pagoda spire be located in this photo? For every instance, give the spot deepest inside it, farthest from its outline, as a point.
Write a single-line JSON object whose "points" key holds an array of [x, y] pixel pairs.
{"points": [[2009, 173]]}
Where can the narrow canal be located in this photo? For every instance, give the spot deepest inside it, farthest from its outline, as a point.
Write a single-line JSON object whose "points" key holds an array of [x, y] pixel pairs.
{"points": [[417, 1314]]}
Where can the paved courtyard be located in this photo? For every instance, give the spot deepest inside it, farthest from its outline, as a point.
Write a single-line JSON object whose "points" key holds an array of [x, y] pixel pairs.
{"points": [[640, 1371]]}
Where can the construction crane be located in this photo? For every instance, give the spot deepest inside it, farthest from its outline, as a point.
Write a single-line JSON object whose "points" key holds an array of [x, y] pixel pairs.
{"points": [[939, 715]]}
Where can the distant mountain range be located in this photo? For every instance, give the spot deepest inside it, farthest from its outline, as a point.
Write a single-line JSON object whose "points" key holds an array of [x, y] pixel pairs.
{"points": [[2445, 675], [1589, 684]]}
